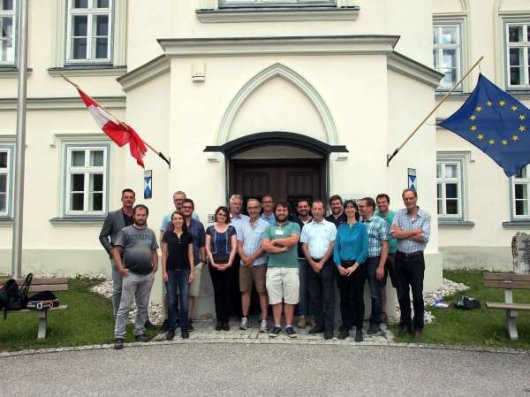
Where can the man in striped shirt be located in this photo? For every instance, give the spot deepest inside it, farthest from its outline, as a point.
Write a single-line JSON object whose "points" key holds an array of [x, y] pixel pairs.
{"points": [[412, 229], [378, 235]]}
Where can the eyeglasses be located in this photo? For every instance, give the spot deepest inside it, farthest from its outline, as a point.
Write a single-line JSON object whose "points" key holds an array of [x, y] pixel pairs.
{"points": [[253, 208]]}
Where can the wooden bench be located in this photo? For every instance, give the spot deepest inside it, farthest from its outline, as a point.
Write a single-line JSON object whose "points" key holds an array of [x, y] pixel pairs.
{"points": [[508, 281], [44, 284]]}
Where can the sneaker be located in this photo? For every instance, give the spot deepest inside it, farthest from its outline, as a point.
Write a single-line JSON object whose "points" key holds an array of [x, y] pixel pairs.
{"points": [[343, 334], [141, 338], [185, 334], [328, 334], [359, 335], [290, 332], [170, 335], [263, 326], [244, 323], [118, 343], [302, 322], [275, 332], [373, 329]]}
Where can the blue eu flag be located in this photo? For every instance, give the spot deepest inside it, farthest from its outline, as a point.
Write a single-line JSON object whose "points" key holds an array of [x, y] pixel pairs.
{"points": [[496, 123]]}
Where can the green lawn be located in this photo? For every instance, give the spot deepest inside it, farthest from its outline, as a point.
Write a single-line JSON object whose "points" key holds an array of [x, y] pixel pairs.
{"points": [[88, 320], [480, 327]]}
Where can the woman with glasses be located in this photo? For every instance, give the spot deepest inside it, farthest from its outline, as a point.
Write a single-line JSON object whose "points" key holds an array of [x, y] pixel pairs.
{"points": [[350, 252], [221, 245]]}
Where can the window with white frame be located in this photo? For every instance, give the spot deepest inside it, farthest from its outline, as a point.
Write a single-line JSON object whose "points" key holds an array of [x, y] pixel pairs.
{"points": [[8, 29], [89, 31], [5, 180], [518, 54], [449, 182], [447, 51], [275, 3], [520, 197], [86, 175]]}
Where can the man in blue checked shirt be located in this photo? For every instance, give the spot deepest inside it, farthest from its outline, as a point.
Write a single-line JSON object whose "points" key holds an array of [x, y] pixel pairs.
{"points": [[378, 235], [411, 228]]}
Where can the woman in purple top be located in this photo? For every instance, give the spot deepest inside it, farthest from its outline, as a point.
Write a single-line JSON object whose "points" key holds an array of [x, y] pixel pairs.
{"points": [[221, 244], [177, 272]]}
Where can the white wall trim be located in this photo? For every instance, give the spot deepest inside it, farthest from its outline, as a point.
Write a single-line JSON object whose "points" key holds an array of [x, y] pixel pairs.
{"points": [[51, 103], [145, 73], [408, 67], [278, 70]]}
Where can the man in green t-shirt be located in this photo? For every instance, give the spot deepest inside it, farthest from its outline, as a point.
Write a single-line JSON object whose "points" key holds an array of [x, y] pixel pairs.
{"points": [[280, 241]]}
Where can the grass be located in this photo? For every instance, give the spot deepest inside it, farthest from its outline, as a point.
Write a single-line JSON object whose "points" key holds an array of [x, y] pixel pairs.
{"points": [[480, 327], [88, 320]]}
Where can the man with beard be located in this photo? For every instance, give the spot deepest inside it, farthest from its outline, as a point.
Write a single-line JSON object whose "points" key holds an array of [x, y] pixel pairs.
{"points": [[196, 229], [337, 215], [140, 261], [303, 218], [283, 283], [114, 222]]}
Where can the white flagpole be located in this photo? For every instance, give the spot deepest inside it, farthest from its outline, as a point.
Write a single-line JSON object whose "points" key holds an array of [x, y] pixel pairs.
{"points": [[22, 57]]}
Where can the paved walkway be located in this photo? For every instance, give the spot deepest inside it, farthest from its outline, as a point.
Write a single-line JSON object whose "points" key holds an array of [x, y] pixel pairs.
{"points": [[239, 363]]}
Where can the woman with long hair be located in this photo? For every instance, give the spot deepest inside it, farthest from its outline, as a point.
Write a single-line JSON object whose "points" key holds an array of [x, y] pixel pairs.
{"points": [[177, 271], [221, 245], [350, 252]]}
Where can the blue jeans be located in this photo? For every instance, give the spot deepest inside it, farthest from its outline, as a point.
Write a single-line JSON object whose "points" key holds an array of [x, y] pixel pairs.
{"points": [[376, 288], [177, 293]]}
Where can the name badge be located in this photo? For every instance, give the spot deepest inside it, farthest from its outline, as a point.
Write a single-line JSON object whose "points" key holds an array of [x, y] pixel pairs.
{"points": [[278, 232]]}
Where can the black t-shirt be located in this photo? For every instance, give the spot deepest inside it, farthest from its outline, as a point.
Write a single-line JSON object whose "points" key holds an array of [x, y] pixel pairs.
{"points": [[177, 251], [129, 220]]}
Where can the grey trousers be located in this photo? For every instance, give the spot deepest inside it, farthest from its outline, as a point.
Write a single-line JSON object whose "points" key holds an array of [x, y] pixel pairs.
{"points": [[117, 281], [139, 286]]}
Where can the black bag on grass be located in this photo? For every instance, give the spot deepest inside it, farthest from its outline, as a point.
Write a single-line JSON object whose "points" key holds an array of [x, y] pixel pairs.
{"points": [[467, 303], [13, 297]]}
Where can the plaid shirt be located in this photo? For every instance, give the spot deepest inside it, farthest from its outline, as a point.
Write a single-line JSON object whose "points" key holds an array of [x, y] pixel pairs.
{"points": [[405, 222], [378, 231]]}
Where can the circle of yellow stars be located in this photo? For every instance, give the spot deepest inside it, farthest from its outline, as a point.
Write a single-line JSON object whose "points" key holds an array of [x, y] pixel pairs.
{"points": [[504, 142]]}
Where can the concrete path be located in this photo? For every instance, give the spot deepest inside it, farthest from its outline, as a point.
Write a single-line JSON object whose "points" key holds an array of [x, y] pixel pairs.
{"points": [[243, 363]]}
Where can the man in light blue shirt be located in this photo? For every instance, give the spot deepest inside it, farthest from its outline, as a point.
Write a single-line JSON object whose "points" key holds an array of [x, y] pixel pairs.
{"points": [[253, 263], [318, 241], [267, 203], [411, 228]]}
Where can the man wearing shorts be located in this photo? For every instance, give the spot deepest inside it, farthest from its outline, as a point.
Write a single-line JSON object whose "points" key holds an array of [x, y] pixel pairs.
{"points": [[283, 284], [253, 263]]}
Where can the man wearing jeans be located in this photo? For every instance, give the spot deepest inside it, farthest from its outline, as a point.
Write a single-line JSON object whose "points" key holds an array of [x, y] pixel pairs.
{"points": [[140, 261], [378, 234], [412, 229], [114, 222]]}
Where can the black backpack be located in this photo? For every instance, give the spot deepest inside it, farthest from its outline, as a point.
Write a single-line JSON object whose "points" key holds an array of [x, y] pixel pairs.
{"points": [[13, 297]]}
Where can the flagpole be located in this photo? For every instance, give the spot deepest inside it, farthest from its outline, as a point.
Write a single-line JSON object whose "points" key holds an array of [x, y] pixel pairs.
{"points": [[160, 154], [389, 157], [20, 148]]}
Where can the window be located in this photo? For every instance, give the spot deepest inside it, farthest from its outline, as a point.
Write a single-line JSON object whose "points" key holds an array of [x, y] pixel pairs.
{"points": [[8, 29], [447, 52], [86, 180], [275, 3], [520, 190], [518, 51], [89, 31], [449, 188], [5, 181]]}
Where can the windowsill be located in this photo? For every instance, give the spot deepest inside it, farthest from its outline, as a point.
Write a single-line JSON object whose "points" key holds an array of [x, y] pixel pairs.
{"points": [[5, 220], [88, 70], [456, 223], [8, 72], [277, 14], [516, 224], [77, 219]]}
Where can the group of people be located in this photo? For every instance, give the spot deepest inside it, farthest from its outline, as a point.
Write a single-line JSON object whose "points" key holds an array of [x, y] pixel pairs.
{"points": [[292, 261]]}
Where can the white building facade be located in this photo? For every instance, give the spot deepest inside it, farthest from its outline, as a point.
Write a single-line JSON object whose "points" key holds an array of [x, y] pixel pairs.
{"points": [[296, 98]]}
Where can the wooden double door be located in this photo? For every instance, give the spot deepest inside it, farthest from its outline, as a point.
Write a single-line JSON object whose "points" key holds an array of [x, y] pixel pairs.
{"points": [[289, 180]]}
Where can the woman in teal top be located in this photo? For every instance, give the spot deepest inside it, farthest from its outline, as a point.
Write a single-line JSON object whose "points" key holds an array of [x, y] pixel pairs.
{"points": [[351, 250]]}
